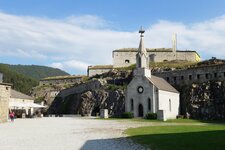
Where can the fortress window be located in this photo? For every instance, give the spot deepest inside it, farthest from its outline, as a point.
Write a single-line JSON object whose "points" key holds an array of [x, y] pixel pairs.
{"points": [[167, 79], [198, 76], [190, 77], [127, 61], [182, 77], [175, 79], [215, 75], [206, 75]]}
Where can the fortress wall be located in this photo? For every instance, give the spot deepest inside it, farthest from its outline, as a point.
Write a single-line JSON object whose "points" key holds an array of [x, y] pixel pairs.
{"points": [[60, 81], [120, 57], [92, 72], [81, 88], [198, 74], [4, 102], [127, 58], [1, 77]]}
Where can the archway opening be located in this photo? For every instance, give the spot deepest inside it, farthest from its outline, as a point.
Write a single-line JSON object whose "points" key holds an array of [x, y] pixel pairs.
{"points": [[140, 110]]}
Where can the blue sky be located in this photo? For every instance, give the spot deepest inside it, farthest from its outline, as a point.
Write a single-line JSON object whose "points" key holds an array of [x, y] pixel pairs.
{"points": [[73, 34]]}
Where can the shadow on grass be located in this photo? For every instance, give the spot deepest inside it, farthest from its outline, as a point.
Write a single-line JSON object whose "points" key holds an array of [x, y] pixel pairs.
{"points": [[111, 144], [203, 140]]}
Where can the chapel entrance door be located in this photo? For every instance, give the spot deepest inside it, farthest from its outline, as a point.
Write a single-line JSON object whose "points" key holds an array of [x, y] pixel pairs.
{"points": [[140, 110]]}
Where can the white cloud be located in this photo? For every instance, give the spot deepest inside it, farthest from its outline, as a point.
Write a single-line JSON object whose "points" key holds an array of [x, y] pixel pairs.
{"points": [[89, 21], [57, 65], [70, 64], [77, 41]]}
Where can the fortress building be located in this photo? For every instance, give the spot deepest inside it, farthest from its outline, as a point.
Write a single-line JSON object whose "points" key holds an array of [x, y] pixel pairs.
{"points": [[150, 94], [127, 56]]}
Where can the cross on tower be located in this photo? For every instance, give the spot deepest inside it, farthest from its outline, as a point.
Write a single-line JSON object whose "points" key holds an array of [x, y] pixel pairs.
{"points": [[142, 31]]}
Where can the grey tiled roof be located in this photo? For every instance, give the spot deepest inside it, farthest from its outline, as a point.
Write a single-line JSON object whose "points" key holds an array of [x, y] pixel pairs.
{"points": [[162, 84], [16, 94]]}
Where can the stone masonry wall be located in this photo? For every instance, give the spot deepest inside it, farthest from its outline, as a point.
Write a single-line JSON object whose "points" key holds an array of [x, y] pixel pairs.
{"points": [[60, 81], [92, 72], [127, 58], [197, 74], [4, 102], [95, 84]]}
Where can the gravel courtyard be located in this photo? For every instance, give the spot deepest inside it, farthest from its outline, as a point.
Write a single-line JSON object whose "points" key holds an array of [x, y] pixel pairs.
{"points": [[65, 133]]}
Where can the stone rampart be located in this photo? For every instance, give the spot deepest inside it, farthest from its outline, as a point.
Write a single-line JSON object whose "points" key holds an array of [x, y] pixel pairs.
{"points": [[61, 80], [196, 74], [81, 88], [100, 69]]}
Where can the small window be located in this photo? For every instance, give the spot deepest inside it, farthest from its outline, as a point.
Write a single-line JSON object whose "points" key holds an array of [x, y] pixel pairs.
{"points": [[224, 74], [132, 104], [7, 88], [127, 61], [207, 76], [215, 75], [175, 79], [190, 77], [167, 79], [182, 77], [198, 76]]}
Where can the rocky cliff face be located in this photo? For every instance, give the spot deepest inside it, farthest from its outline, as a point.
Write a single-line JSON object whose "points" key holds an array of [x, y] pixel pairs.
{"points": [[90, 103], [203, 101], [104, 91]]}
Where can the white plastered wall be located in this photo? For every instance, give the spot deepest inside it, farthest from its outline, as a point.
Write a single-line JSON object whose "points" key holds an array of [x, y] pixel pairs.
{"points": [[164, 104]]}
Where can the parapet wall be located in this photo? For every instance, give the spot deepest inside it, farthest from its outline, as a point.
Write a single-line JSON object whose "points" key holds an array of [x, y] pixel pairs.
{"points": [[197, 74], [81, 88], [60, 81], [4, 102]]}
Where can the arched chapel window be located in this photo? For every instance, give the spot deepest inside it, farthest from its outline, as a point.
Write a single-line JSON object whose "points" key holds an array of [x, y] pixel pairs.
{"points": [[132, 104], [149, 104]]}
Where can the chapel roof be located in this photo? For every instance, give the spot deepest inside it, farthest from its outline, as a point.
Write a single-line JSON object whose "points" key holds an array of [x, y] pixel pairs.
{"points": [[162, 84], [19, 95]]}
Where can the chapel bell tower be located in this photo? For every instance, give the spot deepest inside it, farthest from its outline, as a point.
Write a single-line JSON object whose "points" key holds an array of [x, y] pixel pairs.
{"points": [[142, 62]]}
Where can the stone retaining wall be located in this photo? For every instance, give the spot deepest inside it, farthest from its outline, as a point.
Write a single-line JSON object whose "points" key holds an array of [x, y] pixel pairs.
{"points": [[4, 102]]}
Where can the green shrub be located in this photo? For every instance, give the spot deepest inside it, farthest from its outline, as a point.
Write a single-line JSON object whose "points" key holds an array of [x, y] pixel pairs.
{"points": [[127, 115], [151, 116]]}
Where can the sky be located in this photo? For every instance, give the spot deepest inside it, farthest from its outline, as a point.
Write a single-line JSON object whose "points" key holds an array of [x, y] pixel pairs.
{"points": [[73, 34]]}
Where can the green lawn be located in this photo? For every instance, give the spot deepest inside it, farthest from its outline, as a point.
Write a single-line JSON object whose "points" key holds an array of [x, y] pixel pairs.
{"points": [[186, 137]]}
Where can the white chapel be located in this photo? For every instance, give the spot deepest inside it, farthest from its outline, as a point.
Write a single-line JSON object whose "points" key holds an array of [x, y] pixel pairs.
{"points": [[150, 94]]}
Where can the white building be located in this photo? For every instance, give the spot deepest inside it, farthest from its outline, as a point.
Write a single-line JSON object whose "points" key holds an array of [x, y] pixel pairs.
{"points": [[147, 93], [22, 103]]}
